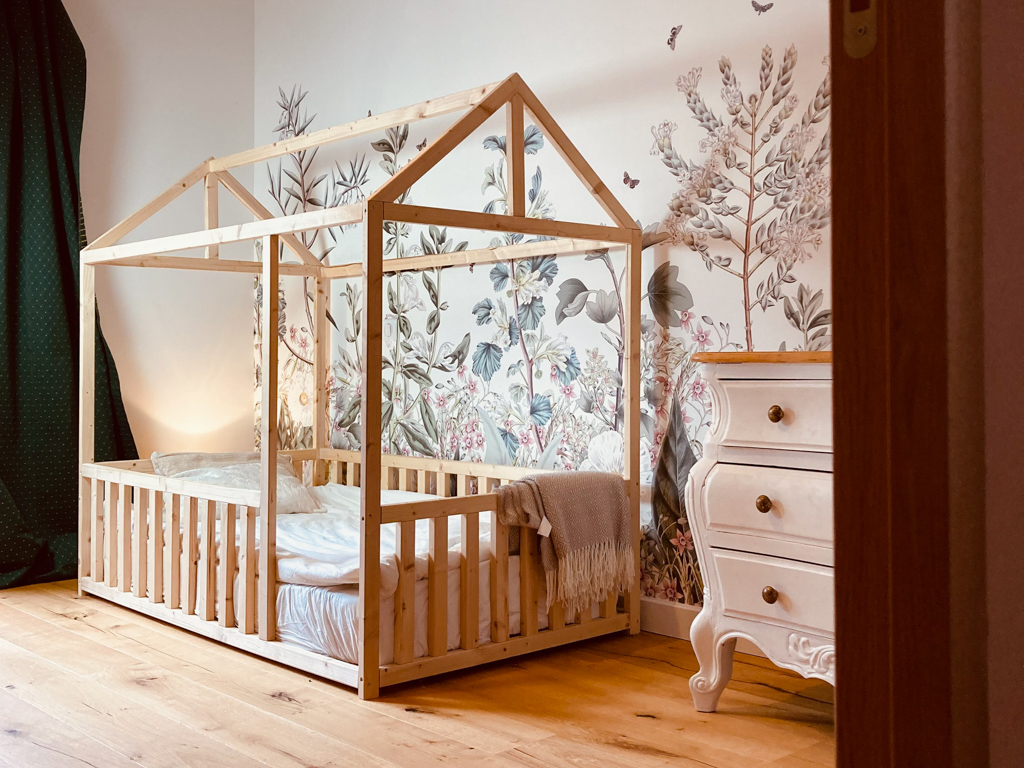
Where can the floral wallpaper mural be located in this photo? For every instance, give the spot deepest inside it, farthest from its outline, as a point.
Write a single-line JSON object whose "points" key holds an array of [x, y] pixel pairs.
{"points": [[521, 362]]}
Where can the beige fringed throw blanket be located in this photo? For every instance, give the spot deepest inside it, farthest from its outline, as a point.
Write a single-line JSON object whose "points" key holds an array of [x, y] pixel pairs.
{"points": [[589, 552]]}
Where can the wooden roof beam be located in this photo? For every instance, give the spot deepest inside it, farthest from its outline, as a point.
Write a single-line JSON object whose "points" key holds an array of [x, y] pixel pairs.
{"points": [[422, 111]]}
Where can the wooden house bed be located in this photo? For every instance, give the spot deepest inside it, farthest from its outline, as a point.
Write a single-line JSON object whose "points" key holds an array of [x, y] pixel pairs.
{"points": [[148, 542]]}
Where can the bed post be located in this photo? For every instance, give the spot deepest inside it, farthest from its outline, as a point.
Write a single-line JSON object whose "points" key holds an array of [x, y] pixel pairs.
{"points": [[632, 418], [211, 199], [86, 409], [369, 552], [267, 595], [321, 394]]}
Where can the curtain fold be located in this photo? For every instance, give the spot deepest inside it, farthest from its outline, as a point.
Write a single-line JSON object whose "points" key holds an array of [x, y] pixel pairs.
{"points": [[42, 95]]}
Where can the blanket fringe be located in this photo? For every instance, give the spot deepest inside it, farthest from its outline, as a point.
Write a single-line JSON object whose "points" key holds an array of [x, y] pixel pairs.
{"points": [[586, 576]]}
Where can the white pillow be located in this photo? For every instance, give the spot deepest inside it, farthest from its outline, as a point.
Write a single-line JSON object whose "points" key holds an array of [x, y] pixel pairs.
{"points": [[292, 495]]}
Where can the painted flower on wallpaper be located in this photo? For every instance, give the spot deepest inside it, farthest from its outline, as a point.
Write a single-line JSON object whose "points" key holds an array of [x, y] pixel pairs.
{"points": [[761, 194]]}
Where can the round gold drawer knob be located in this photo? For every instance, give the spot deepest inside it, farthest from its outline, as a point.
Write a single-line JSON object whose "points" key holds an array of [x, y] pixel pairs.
{"points": [[763, 504], [770, 595], [775, 414]]}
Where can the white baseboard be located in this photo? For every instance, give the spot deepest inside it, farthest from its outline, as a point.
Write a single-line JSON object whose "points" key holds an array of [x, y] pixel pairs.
{"points": [[662, 617]]}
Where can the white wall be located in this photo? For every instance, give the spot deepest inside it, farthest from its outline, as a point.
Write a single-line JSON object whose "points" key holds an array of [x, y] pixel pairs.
{"points": [[169, 84]]}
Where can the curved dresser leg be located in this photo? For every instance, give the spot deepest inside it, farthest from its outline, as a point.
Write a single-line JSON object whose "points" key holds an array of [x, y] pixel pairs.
{"points": [[715, 659]]}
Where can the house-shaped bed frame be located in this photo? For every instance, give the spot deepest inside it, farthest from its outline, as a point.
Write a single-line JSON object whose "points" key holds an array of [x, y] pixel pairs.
{"points": [[149, 542]]}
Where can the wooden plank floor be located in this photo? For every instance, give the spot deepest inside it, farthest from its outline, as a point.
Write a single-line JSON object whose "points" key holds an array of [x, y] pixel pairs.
{"points": [[85, 683]]}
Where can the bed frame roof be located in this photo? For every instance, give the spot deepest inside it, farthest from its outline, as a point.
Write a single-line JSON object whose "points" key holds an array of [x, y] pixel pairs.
{"points": [[478, 104]]}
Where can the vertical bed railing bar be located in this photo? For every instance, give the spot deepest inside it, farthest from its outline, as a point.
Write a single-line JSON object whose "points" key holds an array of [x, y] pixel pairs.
{"points": [[267, 594], [186, 552]]}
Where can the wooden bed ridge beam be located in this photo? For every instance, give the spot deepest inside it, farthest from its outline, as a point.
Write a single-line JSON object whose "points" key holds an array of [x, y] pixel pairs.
{"points": [[422, 111]]}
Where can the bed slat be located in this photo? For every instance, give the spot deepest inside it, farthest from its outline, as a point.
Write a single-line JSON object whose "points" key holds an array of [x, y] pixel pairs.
{"points": [[172, 552], [609, 605], [190, 553], [226, 571], [528, 565], [247, 571], [207, 560], [110, 532], [529, 562], [124, 538], [155, 548], [437, 588], [405, 595], [556, 616], [499, 581], [469, 590], [96, 535], [139, 543]]}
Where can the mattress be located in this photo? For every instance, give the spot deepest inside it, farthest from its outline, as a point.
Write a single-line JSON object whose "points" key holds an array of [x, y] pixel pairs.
{"points": [[324, 619]]}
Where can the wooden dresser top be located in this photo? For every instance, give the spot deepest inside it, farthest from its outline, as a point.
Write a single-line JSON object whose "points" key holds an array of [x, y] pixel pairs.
{"points": [[762, 357]]}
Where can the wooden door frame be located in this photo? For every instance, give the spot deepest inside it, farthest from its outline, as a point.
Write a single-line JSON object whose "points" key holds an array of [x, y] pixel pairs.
{"points": [[902, 346]]}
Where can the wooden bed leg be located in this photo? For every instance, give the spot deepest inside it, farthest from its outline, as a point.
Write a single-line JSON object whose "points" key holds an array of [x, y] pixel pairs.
{"points": [[86, 409], [369, 559], [632, 421]]}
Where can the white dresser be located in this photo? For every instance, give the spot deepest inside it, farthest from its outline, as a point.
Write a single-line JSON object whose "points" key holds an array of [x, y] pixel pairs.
{"points": [[759, 504]]}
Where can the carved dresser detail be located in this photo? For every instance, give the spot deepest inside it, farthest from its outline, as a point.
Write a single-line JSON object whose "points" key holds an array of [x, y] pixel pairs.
{"points": [[759, 504]]}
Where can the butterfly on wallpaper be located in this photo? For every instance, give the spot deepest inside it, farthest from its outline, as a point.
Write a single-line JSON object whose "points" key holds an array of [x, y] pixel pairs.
{"points": [[673, 35], [629, 182], [761, 8], [422, 145]]}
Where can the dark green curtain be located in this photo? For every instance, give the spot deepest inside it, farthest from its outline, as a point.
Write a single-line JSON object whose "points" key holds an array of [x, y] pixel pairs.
{"points": [[42, 104]]}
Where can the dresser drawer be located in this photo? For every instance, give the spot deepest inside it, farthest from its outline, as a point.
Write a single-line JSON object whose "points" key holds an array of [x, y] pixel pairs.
{"points": [[783, 504], [804, 591], [788, 415]]}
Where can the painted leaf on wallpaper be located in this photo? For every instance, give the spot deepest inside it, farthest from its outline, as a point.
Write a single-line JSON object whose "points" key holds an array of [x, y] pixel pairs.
{"points": [[540, 410], [486, 360], [533, 140], [501, 444], [572, 298], [671, 572], [603, 307], [530, 314], [667, 296]]}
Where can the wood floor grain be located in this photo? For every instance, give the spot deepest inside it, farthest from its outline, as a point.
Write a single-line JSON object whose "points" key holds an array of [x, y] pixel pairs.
{"points": [[86, 683]]}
